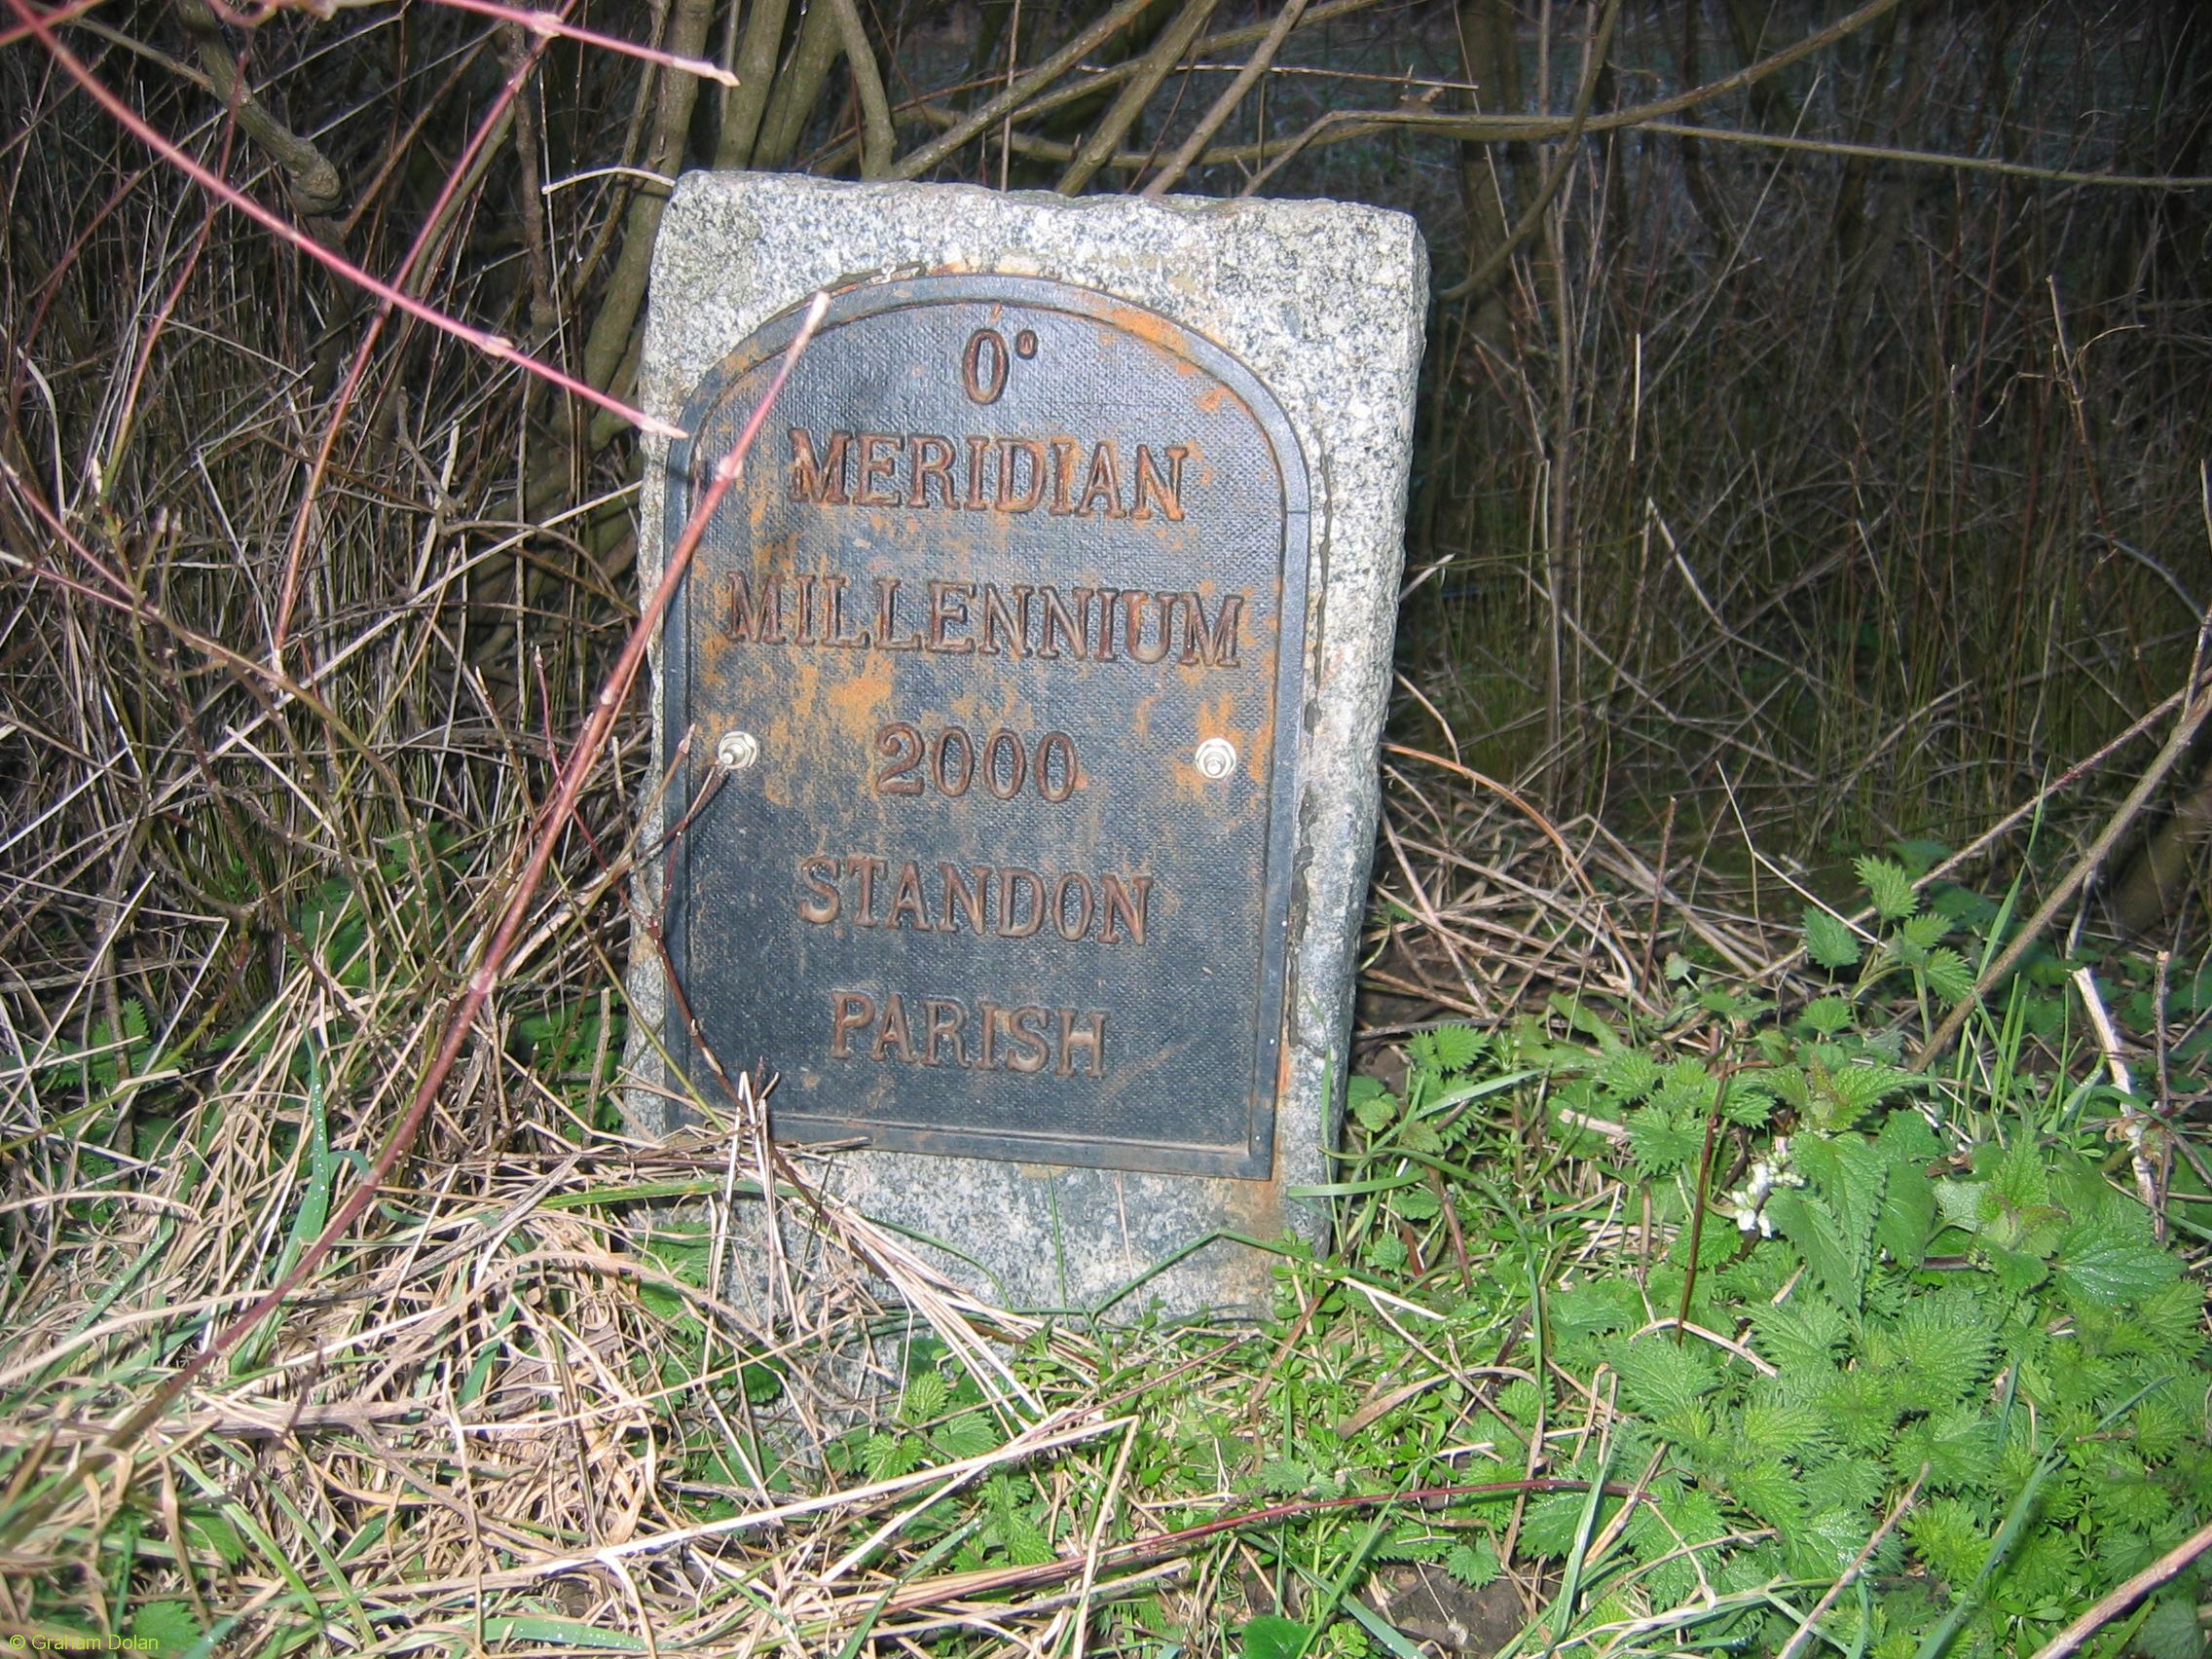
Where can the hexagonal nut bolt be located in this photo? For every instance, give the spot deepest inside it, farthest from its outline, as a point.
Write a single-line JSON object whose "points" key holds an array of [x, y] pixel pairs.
{"points": [[1216, 758], [737, 750]]}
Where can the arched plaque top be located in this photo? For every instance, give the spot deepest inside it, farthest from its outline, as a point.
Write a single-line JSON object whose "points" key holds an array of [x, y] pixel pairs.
{"points": [[722, 392]]}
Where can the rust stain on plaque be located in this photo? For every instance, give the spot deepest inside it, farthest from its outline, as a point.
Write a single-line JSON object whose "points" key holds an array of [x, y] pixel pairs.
{"points": [[1008, 556]]}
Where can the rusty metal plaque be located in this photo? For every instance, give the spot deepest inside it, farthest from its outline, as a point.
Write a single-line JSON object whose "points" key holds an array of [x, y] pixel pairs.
{"points": [[991, 668]]}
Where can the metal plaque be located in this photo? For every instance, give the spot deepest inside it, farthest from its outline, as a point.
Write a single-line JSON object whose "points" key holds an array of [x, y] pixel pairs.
{"points": [[990, 667]]}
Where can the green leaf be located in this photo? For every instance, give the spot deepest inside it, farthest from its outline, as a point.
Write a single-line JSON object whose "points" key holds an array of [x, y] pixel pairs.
{"points": [[1791, 1085], [1628, 1075], [1659, 1547], [2018, 1175], [1862, 1409], [1661, 1141], [1285, 1477], [168, 1625], [107, 1070], [1843, 1483], [1781, 1428], [1371, 1103], [1957, 1443], [1959, 1203], [1418, 1203], [1827, 1542], [2099, 1264], [1411, 1543], [1419, 1135], [684, 1259], [1964, 907], [1808, 1223], [1804, 1331], [2167, 1322], [1688, 1088], [1888, 885], [1521, 1401], [1909, 1214], [1733, 1005], [1770, 1489], [1456, 1046], [1918, 936], [1828, 1015], [1716, 1244], [205, 1530], [1830, 941], [2016, 1270], [2079, 1188], [1907, 1138], [2171, 1632], [1588, 1020], [925, 1397], [1272, 1637], [1749, 1104], [1594, 1307], [1834, 1229], [886, 1456], [763, 1381], [1026, 1544], [1551, 1522], [970, 1434], [2160, 1427], [1843, 1094], [1949, 975], [1850, 1173], [1946, 1536], [1473, 1565], [1918, 854], [1948, 1348], [1660, 1377]]}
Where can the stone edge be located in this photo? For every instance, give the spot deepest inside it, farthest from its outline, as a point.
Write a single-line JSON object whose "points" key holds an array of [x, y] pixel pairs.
{"points": [[1325, 303]]}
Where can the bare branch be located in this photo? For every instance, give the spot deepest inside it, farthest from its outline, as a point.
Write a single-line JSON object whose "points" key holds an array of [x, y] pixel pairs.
{"points": [[1232, 96], [967, 126], [1166, 52]]}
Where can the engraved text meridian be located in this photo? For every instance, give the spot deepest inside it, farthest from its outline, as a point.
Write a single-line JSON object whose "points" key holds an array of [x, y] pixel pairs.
{"points": [[1064, 476]]}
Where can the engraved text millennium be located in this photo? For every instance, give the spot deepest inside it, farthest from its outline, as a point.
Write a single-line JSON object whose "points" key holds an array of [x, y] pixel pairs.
{"points": [[1101, 624]]}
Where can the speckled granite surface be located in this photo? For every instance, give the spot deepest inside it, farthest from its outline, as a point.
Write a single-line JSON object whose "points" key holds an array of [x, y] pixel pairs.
{"points": [[1325, 304]]}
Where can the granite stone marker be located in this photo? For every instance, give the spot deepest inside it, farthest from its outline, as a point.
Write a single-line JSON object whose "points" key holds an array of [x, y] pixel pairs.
{"points": [[1028, 683]]}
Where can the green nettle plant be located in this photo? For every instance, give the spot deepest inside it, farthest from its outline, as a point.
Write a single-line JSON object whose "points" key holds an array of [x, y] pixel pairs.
{"points": [[1913, 1356]]}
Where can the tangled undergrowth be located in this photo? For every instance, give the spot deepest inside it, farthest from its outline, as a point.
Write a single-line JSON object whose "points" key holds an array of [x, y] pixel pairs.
{"points": [[1721, 1262], [1695, 1317]]}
